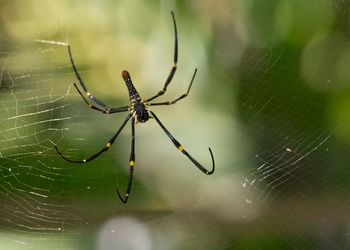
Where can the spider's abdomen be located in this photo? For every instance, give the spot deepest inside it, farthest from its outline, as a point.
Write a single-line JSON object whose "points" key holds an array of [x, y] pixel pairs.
{"points": [[131, 88], [141, 112]]}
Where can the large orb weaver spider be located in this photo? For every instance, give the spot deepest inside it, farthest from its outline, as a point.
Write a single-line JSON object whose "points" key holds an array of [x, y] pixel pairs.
{"points": [[138, 112]]}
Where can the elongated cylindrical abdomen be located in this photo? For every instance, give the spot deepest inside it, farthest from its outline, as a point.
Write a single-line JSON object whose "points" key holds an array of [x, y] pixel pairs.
{"points": [[131, 88]]}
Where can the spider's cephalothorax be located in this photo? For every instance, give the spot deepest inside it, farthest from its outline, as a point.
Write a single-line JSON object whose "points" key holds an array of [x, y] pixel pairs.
{"points": [[138, 112], [139, 109], [137, 106]]}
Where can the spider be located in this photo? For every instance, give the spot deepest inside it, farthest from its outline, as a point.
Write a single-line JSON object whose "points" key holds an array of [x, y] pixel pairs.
{"points": [[138, 111]]}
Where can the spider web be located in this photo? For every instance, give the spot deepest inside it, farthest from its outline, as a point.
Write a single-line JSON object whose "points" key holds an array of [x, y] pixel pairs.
{"points": [[292, 142], [264, 100], [33, 105]]}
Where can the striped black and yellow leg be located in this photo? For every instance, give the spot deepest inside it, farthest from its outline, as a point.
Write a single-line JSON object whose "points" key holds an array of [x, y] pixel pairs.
{"points": [[173, 69], [179, 98], [108, 145], [103, 110], [83, 85], [131, 164], [181, 149]]}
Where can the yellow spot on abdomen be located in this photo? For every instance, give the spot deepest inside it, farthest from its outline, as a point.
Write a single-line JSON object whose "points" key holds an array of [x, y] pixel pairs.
{"points": [[108, 145], [132, 163], [181, 148]]}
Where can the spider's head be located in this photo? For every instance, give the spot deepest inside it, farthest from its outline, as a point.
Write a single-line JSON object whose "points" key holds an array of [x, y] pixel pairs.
{"points": [[142, 114]]}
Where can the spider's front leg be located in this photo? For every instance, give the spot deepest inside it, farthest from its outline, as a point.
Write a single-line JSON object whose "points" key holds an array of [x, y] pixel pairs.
{"points": [[104, 110], [179, 98], [96, 104], [173, 69]]}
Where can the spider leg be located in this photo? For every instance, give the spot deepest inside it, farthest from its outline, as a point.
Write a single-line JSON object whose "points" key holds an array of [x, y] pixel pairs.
{"points": [[179, 98], [131, 164], [181, 148], [105, 109], [108, 146], [173, 69]]}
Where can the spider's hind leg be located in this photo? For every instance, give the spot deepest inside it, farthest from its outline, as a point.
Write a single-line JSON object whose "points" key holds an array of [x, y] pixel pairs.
{"points": [[131, 164], [182, 150], [94, 156]]}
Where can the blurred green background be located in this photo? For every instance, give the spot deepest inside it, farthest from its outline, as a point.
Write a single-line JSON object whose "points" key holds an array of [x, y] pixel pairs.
{"points": [[271, 98]]}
